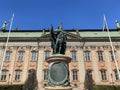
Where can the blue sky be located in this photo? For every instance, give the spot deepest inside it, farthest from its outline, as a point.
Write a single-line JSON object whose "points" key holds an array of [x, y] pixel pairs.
{"points": [[79, 14]]}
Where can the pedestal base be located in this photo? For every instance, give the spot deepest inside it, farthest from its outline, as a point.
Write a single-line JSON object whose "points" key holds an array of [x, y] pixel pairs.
{"points": [[58, 88]]}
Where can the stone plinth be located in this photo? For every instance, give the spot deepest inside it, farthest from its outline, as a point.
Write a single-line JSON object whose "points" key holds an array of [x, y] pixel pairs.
{"points": [[58, 75], [58, 88], [59, 57]]}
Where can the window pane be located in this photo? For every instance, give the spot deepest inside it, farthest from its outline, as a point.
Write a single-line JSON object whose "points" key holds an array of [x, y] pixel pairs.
{"points": [[103, 75], [100, 57], [20, 56], [47, 54], [73, 55], [33, 57], [17, 75], [112, 56], [89, 74], [7, 56], [75, 76], [3, 75], [87, 55], [116, 75]]}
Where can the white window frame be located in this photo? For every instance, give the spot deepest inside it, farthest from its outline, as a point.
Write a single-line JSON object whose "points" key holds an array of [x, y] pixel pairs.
{"points": [[73, 55], [103, 74], [75, 75], [17, 75], [20, 55], [87, 56], [3, 75], [7, 56], [33, 56], [100, 56]]}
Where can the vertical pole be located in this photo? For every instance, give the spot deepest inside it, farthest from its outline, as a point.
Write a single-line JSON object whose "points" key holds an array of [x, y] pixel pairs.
{"points": [[116, 64]]}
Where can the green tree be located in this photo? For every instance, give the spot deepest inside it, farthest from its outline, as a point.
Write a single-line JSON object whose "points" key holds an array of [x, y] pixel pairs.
{"points": [[31, 83], [89, 83]]}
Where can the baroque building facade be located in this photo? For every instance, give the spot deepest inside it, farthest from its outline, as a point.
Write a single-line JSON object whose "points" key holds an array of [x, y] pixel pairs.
{"points": [[89, 49]]}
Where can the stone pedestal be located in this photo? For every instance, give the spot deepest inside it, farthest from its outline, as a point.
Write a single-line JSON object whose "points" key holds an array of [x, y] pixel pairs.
{"points": [[58, 74], [58, 88]]}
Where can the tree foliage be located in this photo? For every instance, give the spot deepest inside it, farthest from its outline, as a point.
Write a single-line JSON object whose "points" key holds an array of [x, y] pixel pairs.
{"points": [[31, 83], [89, 83]]}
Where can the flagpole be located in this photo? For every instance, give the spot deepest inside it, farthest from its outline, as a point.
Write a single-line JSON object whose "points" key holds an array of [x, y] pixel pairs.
{"points": [[3, 59], [114, 57]]}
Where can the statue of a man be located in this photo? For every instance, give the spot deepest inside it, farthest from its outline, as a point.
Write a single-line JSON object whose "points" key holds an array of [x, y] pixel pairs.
{"points": [[117, 24], [58, 41], [4, 26]]}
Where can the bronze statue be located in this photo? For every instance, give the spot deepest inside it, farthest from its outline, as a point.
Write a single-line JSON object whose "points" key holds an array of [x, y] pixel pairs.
{"points": [[4, 26], [117, 24], [58, 41]]}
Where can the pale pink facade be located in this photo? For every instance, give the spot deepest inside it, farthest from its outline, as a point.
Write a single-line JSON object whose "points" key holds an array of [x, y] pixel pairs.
{"points": [[103, 70]]}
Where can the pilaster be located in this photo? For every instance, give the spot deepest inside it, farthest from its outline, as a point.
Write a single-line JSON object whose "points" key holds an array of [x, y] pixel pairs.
{"points": [[81, 64], [40, 63], [118, 53], [25, 69], [1, 54], [95, 64], [108, 62], [13, 57]]}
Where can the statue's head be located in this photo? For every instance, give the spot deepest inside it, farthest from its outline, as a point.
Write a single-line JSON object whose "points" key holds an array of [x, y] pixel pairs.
{"points": [[116, 21], [5, 22]]}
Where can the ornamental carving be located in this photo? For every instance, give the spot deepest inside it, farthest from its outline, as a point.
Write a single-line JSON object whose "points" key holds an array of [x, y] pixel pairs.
{"points": [[102, 65], [32, 65], [6, 65], [19, 65]]}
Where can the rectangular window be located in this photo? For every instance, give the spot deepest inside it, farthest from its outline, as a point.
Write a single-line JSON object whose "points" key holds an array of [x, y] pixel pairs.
{"points": [[116, 75], [87, 56], [112, 56], [33, 57], [73, 55], [17, 75], [89, 74], [46, 74], [100, 56], [7, 56], [20, 56], [103, 75], [3, 75], [47, 54], [75, 74]]}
